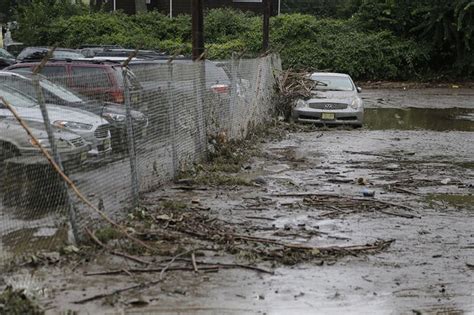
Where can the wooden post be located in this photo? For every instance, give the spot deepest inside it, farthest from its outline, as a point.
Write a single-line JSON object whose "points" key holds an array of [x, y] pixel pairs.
{"points": [[267, 11], [198, 29]]}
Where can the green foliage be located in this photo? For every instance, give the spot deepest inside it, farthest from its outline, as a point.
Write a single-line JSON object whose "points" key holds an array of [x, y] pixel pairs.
{"points": [[322, 8], [385, 39], [446, 26], [17, 302], [37, 17], [337, 45]]}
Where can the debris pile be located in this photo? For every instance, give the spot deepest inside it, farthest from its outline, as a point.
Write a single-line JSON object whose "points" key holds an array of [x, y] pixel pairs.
{"points": [[292, 86]]}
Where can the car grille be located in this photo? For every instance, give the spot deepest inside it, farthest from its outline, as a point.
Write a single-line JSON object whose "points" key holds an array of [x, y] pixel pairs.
{"points": [[102, 131], [78, 142], [327, 106]]}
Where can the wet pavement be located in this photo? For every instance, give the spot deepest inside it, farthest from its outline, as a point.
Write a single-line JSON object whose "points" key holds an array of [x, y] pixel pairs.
{"points": [[416, 152]]}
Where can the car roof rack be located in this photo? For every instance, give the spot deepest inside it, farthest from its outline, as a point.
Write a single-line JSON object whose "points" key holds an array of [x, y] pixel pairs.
{"points": [[70, 60]]}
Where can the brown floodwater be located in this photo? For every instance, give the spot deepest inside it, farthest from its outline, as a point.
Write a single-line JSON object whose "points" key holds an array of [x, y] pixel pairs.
{"points": [[439, 119]]}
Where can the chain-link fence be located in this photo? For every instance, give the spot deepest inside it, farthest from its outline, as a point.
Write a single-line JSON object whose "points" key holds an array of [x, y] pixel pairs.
{"points": [[116, 131]]}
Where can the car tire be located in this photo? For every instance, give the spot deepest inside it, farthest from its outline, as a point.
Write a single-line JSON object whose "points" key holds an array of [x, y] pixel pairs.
{"points": [[7, 151]]}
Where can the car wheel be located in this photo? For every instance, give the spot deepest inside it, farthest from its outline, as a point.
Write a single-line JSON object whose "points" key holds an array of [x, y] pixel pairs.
{"points": [[7, 151]]}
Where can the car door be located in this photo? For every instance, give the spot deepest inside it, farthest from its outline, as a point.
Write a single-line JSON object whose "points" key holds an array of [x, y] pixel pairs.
{"points": [[92, 81]]}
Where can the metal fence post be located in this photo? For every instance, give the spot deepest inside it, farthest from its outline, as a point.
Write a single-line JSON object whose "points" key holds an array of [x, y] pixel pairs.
{"points": [[199, 86], [172, 120], [47, 124], [130, 139], [233, 92]]}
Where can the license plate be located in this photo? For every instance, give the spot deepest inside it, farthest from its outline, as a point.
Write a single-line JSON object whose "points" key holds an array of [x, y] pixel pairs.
{"points": [[83, 156], [327, 116]]}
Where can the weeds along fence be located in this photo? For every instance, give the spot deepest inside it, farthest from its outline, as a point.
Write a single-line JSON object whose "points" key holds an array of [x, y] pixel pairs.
{"points": [[116, 132]]}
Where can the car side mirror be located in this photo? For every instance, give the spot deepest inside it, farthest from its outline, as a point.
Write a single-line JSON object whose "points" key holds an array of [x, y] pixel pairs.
{"points": [[359, 89]]}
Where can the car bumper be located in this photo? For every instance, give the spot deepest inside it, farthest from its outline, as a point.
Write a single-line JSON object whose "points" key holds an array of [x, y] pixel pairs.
{"points": [[71, 157], [329, 117], [100, 147]]}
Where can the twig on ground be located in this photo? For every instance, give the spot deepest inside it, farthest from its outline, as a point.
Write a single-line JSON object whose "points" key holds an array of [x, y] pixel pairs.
{"points": [[118, 291], [114, 252], [193, 257], [172, 261]]}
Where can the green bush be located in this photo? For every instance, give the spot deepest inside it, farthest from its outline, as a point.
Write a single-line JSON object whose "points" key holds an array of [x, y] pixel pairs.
{"points": [[304, 41], [336, 45]]}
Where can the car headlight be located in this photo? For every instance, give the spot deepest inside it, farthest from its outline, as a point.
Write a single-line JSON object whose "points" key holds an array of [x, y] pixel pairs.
{"points": [[72, 125], [300, 104], [356, 103], [114, 117], [43, 142]]}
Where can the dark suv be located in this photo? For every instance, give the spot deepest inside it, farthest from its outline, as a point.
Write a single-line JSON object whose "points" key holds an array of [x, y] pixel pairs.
{"points": [[100, 80]]}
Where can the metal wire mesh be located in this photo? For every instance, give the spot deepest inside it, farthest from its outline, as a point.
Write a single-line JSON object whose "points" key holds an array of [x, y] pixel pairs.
{"points": [[117, 132]]}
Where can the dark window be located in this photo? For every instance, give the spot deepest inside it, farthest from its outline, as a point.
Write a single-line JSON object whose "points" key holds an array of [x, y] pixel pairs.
{"points": [[56, 74], [90, 77]]}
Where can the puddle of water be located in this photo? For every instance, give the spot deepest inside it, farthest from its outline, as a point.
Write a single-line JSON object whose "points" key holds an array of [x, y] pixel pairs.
{"points": [[457, 201], [29, 240], [459, 119]]}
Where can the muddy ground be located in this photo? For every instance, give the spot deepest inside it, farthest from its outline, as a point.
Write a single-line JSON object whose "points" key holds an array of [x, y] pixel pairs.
{"points": [[294, 228]]}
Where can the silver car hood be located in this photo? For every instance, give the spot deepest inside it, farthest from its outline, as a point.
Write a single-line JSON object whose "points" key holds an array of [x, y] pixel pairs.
{"points": [[60, 113], [333, 97], [9, 127]]}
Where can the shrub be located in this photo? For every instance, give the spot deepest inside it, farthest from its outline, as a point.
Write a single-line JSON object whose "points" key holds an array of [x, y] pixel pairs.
{"points": [[304, 41]]}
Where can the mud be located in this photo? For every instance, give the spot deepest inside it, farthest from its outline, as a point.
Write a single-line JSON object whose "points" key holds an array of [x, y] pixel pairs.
{"points": [[425, 174]]}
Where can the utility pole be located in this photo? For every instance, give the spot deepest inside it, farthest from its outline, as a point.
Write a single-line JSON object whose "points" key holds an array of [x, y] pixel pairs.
{"points": [[171, 9], [267, 11], [198, 29]]}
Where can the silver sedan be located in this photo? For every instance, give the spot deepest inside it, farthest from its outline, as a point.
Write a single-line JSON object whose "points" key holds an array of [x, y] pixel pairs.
{"points": [[334, 101]]}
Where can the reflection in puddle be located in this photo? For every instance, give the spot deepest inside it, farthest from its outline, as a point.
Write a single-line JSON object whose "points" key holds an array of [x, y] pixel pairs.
{"points": [[457, 201], [460, 119]]}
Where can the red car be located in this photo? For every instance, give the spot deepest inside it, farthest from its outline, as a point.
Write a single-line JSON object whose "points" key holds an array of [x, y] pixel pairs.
{"points": [[98, 80]]}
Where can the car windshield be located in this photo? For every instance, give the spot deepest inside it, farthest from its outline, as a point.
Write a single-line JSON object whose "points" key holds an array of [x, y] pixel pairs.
{"points": [[60, 92], [5, 54], [332, 83], [15, 98]]}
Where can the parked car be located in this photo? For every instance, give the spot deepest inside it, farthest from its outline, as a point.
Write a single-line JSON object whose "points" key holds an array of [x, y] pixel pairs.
{"points": [[59, 95], [37, 53], [90, 50], [93, 128], [154, 77], [6, 59], [334, 101], [120, 52], [100, 80], [14, 141]]}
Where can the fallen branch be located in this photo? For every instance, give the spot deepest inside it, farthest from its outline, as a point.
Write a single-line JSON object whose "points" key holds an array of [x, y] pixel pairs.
{"points": [[387, 203], [145, 270], [403, 215], [118, 291], [114, 252]]}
